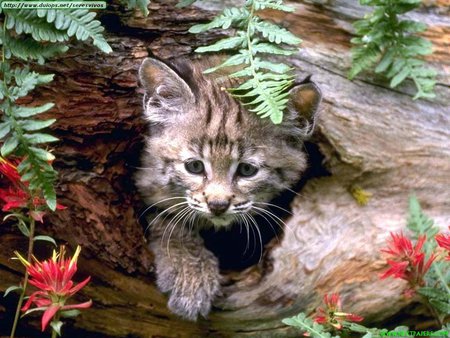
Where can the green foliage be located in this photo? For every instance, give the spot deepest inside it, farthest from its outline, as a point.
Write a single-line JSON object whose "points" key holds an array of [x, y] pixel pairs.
{"points": [[439, 275], [31, 35], [266, 84], [142, 5], [315, 330], [383, 39], [22, 132], [308, 325]]}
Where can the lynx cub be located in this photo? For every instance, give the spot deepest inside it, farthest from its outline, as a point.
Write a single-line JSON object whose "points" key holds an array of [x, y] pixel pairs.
{"points": [[208, 162]]}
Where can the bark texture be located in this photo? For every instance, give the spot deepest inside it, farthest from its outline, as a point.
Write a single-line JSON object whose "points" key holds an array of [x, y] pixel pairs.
{"points": [[372, 137]]}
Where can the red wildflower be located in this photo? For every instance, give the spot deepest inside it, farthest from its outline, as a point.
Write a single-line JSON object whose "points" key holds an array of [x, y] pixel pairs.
{"points": [[444, 242], [9, 170], [53, 278], [18, 195], [407, 262], [332, 314]]}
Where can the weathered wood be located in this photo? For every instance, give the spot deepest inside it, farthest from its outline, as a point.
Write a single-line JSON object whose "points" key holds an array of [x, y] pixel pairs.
{"points": [[371, 136]]}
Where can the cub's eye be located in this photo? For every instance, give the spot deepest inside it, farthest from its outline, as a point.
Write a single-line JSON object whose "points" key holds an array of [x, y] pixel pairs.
{"points": [[246, 170], [194, 167]]}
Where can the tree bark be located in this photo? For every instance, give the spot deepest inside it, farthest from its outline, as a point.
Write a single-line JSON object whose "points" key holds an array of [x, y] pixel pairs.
{"points": [[372, 137]]}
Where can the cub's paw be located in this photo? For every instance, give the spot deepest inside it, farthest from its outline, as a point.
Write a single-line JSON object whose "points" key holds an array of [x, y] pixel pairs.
{"points": [[192, 297], [191, 275]]}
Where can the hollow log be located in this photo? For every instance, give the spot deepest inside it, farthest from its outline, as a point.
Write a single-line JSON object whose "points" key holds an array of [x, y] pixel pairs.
{"points": [[369, 137]]}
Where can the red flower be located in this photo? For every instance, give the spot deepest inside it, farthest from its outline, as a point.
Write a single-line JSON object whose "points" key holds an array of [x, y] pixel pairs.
{"points": [[444, 242], [407, 262], [9, 170], [332, 314], [18, 195], [53, 278]]}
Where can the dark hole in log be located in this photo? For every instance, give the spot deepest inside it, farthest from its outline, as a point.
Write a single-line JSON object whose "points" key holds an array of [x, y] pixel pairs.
{"points": [[237, 251]]}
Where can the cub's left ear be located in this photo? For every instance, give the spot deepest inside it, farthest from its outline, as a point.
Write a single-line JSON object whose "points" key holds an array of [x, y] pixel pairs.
{"points": [[304, 100]]}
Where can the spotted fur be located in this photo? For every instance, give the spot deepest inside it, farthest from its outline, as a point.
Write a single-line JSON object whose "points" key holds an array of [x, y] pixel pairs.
{"points": [[192, 118]]}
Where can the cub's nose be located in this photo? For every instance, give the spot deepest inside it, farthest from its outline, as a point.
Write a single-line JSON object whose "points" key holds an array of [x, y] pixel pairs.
{"points": [[218, 207]]}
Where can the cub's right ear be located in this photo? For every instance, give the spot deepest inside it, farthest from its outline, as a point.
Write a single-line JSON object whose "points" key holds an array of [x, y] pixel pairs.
{"points": [[165, 91]]}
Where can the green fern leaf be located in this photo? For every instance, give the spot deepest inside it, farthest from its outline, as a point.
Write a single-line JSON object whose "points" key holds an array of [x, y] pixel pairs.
{"points": [[84, 27], [272, 4], [29, 49], [9, 145], [228, 17], [33, 125], [26, 81], [227, 43], [382, 37], [30, 23], [275, 33], [24, 112]]}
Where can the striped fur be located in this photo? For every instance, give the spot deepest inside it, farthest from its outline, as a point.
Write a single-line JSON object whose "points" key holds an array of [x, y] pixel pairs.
{"points": [[192, 117]]}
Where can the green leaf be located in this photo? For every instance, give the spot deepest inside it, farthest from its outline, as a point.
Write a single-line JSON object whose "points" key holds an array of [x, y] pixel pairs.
{"points": [[33, 125], [400, 77], [276, 34], [50, 196], [56, 326], [36, 309], [12, 288], [25, 112], [45, 239], [234, 60], [386, 61], [442, 306], [42, 154], [185, 3], [228, 17], [270, 48], [23, 227], [5, 128], [274, 67], [70, 313], [9, 146], [306, 324], [433, 293], [227, 43], [38, 138], [83, 26]]}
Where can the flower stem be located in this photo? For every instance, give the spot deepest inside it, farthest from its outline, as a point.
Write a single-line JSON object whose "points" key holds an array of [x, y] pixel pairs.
{"points": [[56, 319], [25, 280], [433, 311]]}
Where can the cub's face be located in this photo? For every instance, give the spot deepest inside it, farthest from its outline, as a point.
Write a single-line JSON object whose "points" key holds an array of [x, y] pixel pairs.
{"points": [[208, 158]]}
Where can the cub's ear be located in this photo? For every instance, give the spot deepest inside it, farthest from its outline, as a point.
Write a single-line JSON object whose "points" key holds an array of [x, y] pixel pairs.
{"points": [[304, 100], [165, 91]]}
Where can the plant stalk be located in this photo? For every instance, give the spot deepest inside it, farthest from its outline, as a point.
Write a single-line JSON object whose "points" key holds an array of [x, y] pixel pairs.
{"points": [[25, 280]]}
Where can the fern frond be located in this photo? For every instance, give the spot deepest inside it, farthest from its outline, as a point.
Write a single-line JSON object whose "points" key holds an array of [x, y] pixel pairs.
{"points": [[266, 83], [21, 133], [276, 34], [36, 35], [228, 17], [28, 22], [29, 49], [381, 37], [83, 26]]}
